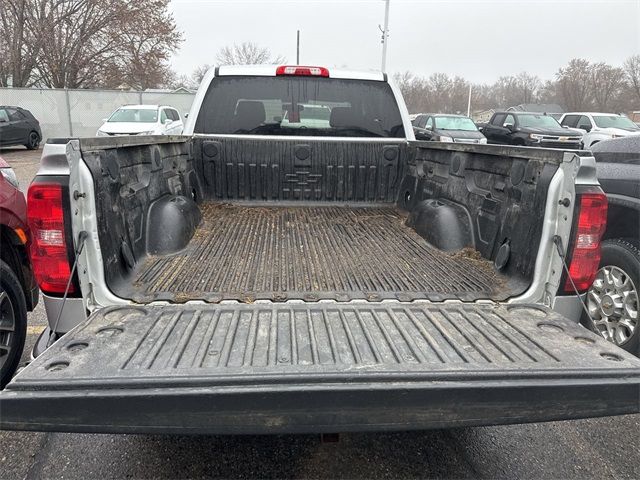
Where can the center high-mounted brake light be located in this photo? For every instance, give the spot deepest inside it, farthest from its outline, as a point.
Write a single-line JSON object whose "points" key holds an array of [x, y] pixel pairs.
{"points": [[302, 71], [588, 231], [48, 251]]}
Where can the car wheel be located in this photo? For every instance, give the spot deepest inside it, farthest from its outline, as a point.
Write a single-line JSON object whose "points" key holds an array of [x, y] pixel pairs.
{"points": [[33, 142], [612, 300], [13, 323]]}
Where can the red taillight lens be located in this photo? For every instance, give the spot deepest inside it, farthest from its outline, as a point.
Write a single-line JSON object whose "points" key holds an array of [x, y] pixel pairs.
{"points": [[48, 250], [302, 71], [585, 257]]}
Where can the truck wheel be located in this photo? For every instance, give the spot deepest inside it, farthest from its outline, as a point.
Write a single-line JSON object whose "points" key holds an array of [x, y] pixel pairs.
{"points": [[612, 300], [13, 323]]}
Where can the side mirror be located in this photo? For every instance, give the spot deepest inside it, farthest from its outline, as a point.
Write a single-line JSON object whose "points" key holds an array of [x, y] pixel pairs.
{"points": [[104, 120], [186, 115], [168, 121], [421, 132], [511, 128], [585, 128]]}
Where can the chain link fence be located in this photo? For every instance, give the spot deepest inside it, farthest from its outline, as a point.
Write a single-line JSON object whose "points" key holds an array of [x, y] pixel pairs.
{"points": [[79, 113]]}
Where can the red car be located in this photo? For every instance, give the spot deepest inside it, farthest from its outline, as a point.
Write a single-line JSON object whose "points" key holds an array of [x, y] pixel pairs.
{"points": [[18, 289]]}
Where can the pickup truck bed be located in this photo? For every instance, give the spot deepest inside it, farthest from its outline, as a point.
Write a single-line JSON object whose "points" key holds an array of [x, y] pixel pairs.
{"points": [[219, 218], [245, 253]]}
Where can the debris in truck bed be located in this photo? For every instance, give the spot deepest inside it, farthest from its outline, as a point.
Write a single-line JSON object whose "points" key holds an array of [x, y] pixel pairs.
{"points": [[248, 253]]}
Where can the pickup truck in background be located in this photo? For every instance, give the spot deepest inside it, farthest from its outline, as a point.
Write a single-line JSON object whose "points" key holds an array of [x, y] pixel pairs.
{"points": [[252, 276], [612, 300], [530, 130], [596, 127]]}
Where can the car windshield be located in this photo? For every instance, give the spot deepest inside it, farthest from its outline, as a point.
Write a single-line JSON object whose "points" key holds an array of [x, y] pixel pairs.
{"points": [[455, 123], [541, 121], [134, 115], [299, 105], [614, 121]]}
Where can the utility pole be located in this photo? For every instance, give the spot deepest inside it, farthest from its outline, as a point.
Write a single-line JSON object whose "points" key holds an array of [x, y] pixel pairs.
{"points": [[298, 48], [385, 35], [469, 103]]}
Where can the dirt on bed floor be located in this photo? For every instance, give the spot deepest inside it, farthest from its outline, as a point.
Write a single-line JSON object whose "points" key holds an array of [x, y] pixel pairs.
{"points": [[343, 253]]}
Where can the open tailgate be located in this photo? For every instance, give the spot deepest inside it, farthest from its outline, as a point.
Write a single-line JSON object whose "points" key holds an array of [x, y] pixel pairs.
{"points": [[267, 368]]}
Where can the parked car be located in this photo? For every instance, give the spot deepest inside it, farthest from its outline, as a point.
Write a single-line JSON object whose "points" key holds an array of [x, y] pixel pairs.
{"points": [[252, 277], [18, 126], [597, 127], [142, 120], [530, 130], [612, 300], [18, 288], [446, 128]]}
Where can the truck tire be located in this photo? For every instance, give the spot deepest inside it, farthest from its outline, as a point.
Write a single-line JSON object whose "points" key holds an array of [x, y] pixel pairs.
{"points": [[13, 323], [612, 300]]}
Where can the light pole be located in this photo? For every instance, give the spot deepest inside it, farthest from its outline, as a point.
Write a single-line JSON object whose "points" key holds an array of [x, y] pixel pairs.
{"points": [[385, 35], [469, 103]]}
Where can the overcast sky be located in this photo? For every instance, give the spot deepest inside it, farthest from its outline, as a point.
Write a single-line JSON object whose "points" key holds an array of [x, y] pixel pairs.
{"points": [[477, 39]]}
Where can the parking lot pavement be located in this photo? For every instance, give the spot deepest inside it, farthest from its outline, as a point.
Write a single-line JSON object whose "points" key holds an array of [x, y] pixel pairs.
{"points": [[595, 448]]}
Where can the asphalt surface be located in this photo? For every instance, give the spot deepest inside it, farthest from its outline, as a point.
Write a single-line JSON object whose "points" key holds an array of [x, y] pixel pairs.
{"points": [[595, 448]]}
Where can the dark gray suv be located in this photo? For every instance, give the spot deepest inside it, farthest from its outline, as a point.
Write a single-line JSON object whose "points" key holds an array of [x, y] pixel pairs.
{"points": [[19, 127]]}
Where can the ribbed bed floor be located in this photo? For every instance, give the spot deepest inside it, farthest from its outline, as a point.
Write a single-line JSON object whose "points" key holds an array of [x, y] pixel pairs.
{"points": [[281, 253]]}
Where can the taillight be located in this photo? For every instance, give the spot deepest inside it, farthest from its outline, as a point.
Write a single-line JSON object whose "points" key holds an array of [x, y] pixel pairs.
{"points": [[48, 250], [588, 231], [302, 71]]}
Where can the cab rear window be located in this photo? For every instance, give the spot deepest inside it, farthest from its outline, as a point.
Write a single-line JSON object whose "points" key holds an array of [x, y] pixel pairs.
{"points": [[290, 105]]}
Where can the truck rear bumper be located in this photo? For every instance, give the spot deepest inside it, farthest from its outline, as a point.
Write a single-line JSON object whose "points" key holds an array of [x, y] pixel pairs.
{"points": [[319, 368], [374, 405]]}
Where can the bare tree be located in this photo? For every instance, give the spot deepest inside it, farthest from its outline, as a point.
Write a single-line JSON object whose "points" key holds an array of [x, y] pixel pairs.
{"points": [[20, 39], [199, 73], [529, 85], [413, 90], [247, 53], [87, 43], [574, 84], [632, 73], [577, 86], [606, 84]]}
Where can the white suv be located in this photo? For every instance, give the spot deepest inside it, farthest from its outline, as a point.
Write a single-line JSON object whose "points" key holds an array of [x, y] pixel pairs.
{"points": [[142, 120], [599, 126]]}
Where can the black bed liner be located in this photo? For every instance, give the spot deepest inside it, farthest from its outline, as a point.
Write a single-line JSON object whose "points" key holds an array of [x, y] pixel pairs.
{"points": [[327, 367], [248, 252]]}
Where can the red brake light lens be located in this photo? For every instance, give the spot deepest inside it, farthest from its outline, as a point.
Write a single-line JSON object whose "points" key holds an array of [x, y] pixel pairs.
{"points": [[585, 258], [48, 249], [301, 71]]}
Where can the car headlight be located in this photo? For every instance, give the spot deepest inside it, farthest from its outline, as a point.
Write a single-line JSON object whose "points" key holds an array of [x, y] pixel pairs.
{"points": [[10, 176], [150, 132], [100, 133], [482, 140], [536, 137], [443, 138]]}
